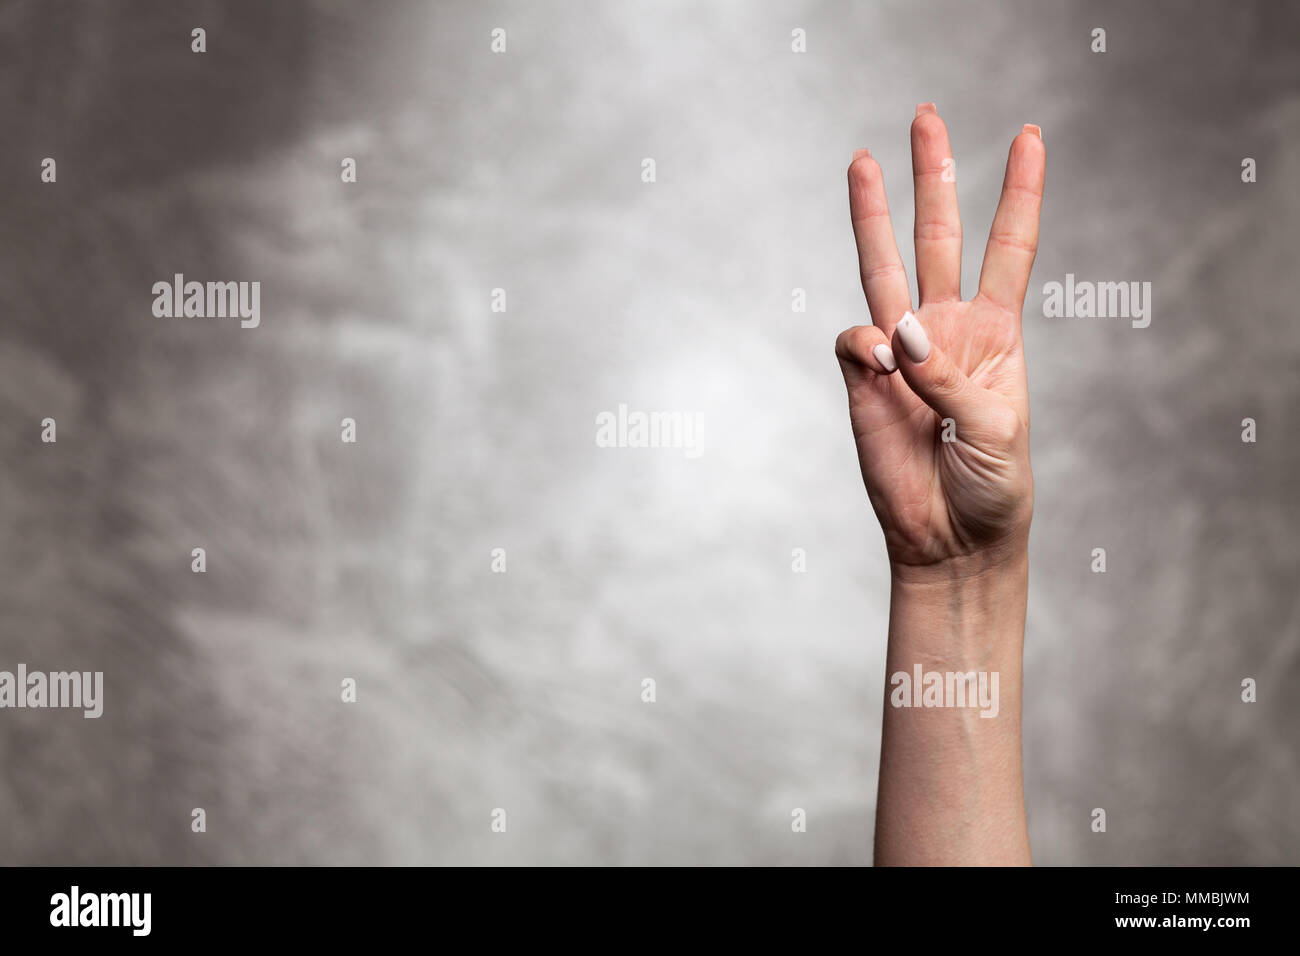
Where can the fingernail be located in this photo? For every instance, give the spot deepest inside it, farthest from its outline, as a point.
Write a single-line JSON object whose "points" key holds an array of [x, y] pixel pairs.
{"points": [[859, 153], [1031, 128], [925, 108], [885, 356], [913, 337]]}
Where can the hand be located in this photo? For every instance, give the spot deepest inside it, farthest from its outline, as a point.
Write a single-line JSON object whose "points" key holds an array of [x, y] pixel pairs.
{"points": [[943, 444]]}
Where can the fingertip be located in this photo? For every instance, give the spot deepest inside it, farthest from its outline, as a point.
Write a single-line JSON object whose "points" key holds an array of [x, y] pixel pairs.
{"points": [[1029, 140], [865, 347], [911, 340], [866, 187], [864, 171], [929, 131], [1027, 161], [884, 356]]}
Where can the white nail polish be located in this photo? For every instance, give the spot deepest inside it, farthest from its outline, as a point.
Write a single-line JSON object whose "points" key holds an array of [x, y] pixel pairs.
{"points": [[885, 356], [915, 342]]}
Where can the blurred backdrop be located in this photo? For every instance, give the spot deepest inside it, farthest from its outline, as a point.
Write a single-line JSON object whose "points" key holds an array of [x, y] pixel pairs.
{"points": [[523, 171]]}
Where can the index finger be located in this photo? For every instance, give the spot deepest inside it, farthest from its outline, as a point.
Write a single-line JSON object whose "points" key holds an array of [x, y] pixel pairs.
{"points": [[884, 279], [1013, 240]]}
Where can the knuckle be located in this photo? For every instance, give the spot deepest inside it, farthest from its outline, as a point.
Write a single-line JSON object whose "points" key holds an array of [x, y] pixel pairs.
{"points": [[857, 342], [844, 342], [1013, 241], [937, 230], [886, 270], [1005, 428], [947, 379]]}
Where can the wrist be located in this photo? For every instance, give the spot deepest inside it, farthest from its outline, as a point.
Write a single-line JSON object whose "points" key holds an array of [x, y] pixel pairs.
{"points": [[1007, 559], [968, 609]]}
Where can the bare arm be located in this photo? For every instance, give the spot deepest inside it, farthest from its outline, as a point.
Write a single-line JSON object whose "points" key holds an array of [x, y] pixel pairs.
{"points": [[950, 779], [939, 405]]}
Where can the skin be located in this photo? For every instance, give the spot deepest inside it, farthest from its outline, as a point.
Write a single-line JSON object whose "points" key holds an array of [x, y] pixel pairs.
{"points": [[955, 514]]}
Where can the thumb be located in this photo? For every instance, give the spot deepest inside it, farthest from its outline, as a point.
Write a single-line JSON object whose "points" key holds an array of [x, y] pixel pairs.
{"points": [[931, 373]]}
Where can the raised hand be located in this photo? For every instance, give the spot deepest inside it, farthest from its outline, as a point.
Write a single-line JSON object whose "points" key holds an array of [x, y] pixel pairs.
{"points": [[937, 395]]}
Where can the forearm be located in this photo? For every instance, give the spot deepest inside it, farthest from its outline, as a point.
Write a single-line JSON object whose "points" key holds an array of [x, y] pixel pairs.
{"points": [[951, 788]]}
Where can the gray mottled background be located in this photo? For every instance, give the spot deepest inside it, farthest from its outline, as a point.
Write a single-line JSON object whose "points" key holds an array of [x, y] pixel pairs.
{"points": [[476, 430]]}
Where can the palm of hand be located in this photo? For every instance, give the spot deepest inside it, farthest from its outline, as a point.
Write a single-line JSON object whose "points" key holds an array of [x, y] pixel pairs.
{"points": [[939, 498]]}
